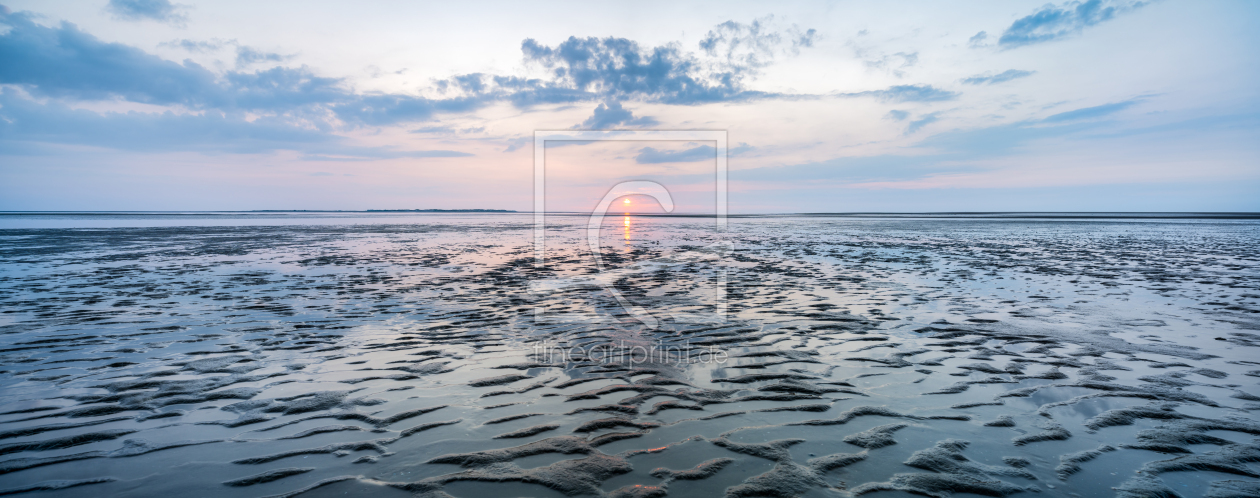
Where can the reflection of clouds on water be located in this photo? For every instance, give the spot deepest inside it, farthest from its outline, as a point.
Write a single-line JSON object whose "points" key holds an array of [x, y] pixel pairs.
{"points": [[283, 357], [705, 291]]}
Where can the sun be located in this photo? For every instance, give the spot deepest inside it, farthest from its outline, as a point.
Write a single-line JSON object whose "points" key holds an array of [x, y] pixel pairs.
{"points": [[627, 201]]}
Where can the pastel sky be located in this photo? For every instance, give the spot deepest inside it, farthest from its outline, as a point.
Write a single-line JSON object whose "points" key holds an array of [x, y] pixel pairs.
{"points": [[829, 106]]}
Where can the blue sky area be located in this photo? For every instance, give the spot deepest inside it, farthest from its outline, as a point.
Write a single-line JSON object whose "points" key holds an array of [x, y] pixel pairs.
{"points": [[829, 106]]}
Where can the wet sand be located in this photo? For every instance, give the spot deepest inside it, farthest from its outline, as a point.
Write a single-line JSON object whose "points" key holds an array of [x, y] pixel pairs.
{"points": [[429, 356]]}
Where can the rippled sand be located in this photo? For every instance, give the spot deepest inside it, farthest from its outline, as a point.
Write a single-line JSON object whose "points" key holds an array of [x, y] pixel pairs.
{"points": [[429, 356]]}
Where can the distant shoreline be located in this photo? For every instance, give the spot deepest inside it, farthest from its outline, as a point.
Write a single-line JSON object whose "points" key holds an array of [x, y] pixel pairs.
{"points": [[383, 211], [997, 215]]}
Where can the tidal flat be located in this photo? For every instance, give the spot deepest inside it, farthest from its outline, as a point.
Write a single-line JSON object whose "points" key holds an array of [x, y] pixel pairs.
{"points": [[433, 355]]}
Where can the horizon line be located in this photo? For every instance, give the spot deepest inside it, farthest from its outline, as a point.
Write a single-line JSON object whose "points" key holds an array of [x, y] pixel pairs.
{"points": [[1238, 215]]}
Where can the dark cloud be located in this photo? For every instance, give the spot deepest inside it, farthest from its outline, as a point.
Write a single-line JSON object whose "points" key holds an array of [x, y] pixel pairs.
{"points": [[63, 61], [156, 10], [649, 155], [618, 68], [1009, 74], [66, 62], [1052, 22], [907, 93], [610, 114], [1091, 112], [615, 69], [292, 105]]}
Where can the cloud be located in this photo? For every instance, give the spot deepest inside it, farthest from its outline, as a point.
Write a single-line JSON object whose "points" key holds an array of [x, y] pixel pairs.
{"points": [[292, 108], [993, 141], [27, 120], [649, 155], [24, 121], [874, 56], [196, 46], [377, 110], [907, 93], [620, 69], [890, 64], [1091, 112], [739, 150], [974, 150], [915, 125], [447, 130], [374, 153], [66, 62], [155, 10], [610, 114], [954, 151], [925, 120], [1053, 22], [886, 167], [245, 55], [977, 40], [1008, 75], [249, 55], [746, 48], [516, 143]]}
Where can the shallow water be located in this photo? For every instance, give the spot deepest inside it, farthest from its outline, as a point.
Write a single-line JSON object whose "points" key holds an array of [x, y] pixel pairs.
{"points": [[255, 355]]}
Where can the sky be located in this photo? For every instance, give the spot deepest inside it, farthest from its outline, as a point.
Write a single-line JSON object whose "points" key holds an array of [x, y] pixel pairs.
{"points": [[828, 106]]}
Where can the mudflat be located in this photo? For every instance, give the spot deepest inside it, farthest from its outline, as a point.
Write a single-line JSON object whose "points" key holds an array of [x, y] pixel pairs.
{"points": [[432, 355]]}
